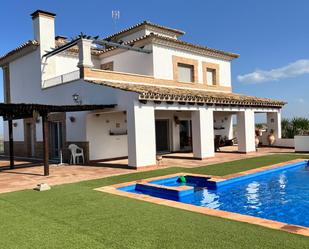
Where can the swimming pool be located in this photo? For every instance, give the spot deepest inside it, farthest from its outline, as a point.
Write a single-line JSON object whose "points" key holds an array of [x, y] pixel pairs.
{"points": [[280, 194]]}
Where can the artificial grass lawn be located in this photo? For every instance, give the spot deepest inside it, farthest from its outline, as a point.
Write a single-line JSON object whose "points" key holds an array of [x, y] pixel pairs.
{"points": [[76, 216]]}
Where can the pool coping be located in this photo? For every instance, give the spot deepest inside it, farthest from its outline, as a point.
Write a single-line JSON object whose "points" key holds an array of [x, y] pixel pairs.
{"points": [[277, 225]]}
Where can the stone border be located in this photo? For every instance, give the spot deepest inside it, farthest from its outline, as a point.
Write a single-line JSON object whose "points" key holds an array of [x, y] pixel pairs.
{"points": [[295, 229]]}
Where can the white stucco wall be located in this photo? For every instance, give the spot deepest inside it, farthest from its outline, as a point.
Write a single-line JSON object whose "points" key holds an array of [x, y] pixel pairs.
{"points": [[301, 143], [132, 62], [223, 120], [18, 131], [163, 64], [146, 31], [134, 35], [102, 145], [246, 131]]}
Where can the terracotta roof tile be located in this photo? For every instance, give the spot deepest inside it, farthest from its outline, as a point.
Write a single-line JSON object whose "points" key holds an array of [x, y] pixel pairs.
{"points": [[21, 47], [179, 32], [210, 51], [155, 93]]}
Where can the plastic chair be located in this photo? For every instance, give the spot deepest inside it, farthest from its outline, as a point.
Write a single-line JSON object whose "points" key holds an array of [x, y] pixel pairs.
{"points": [[76, 153]]}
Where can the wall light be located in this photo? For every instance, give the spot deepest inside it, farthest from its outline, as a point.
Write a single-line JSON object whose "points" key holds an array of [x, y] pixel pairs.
{"points": [[77, 99], [72, 119]]}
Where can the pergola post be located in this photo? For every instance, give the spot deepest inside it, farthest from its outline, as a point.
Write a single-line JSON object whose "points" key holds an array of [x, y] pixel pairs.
{"points": [[45, 144], [11, 143]]}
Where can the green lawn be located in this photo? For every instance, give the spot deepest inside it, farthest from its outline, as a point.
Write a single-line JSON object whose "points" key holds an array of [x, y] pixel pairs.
{"points": [[76, 216]]}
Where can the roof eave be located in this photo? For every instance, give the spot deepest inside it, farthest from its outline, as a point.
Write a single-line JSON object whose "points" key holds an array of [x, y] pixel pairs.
{"points": [[22, 50]]}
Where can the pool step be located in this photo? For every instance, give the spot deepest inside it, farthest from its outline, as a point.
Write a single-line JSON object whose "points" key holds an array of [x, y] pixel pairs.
{"points": [[174, 193]]}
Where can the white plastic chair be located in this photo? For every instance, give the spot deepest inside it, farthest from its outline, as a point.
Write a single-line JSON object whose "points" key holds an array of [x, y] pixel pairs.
{"points": [[76, 153]]}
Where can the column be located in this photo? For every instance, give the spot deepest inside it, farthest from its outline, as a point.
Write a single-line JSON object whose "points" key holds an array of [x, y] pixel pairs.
{"points": [[84, 55], [274, 123], [141, 135], [246, 131], [202, 133], [11, 143]]}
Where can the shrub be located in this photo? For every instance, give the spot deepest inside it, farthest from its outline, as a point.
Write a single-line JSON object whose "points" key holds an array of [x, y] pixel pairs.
{"points": [[294, 127]]}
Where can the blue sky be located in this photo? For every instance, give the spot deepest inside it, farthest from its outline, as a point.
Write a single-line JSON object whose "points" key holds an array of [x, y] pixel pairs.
{"points": [[271, 37]]}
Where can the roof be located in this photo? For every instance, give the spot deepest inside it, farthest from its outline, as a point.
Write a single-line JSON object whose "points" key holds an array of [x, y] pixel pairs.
{"points": [[25, 47], [144, 23], [162, 93], [61, 40], [156, 37], [33, 44]]}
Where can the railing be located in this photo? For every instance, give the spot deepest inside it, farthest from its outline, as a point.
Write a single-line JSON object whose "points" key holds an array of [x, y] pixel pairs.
{"points": [[75, 75]]}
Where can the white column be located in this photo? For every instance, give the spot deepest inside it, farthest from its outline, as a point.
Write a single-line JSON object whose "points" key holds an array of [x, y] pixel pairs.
{"points": [[84, 53], [274, 123], [203, 133], [141, 135], [246, 131]]}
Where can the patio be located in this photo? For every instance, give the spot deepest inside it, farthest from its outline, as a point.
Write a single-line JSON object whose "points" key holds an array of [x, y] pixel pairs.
{"points": [[28, 174]]}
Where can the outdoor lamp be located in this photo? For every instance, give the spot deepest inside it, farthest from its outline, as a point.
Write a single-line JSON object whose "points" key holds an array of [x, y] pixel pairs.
{"points": [[76, 98]]}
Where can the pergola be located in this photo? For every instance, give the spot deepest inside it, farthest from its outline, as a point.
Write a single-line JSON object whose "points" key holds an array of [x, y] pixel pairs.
{"points": [[13, 111]]}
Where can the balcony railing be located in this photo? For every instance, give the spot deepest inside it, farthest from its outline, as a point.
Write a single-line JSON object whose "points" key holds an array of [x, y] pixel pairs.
{"points": [[64, 78]]}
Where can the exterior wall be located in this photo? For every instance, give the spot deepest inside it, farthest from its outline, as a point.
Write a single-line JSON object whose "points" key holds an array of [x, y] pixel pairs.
{"points": [[285, 142], [103, 145], [280, 142], [163, 65], [66, 63], [134, 35], [203, 133], [132, 62], [223, 120], [246, 131], [301, 143], [141, 135], [146, 31]]}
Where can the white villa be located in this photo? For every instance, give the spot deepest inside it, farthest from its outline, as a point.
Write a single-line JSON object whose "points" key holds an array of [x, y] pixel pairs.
{"points": [[166, 95]]}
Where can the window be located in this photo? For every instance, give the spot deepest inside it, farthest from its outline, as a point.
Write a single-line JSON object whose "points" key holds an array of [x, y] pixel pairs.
{"points": [[108, 66], [185, 72], [211, 76]]}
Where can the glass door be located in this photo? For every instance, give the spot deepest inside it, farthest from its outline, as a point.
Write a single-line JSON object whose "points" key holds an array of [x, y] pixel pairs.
{"points": [[162, 135], [55, 129], [185, 135]]}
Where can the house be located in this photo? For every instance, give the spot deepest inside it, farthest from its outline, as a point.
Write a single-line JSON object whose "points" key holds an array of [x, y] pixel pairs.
{"points": [[168, 95]]}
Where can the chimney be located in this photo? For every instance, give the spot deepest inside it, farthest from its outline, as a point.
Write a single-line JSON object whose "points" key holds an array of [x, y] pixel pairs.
{"points": [[44, 29]]}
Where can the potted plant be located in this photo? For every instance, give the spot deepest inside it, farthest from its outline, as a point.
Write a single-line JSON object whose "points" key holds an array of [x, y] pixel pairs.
{"points": [[271, 137]]}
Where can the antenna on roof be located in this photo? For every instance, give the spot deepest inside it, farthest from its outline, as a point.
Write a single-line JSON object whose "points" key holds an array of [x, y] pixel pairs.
{"points": [[115, 17]]}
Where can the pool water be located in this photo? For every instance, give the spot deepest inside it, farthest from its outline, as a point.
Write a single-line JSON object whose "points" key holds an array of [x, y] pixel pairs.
{"points": [[281, 195]]}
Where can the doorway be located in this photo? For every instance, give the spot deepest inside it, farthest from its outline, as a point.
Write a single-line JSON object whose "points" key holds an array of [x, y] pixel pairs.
{"points": [[185, 133], [162, 135], [56, 138]]}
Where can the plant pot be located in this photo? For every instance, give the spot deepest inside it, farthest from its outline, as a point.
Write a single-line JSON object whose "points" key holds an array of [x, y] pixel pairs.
{"points": [[271, 139], [257, 141]]}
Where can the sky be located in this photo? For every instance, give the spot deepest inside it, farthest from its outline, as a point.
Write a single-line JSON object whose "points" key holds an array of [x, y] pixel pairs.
{"points": [[271, 36]]}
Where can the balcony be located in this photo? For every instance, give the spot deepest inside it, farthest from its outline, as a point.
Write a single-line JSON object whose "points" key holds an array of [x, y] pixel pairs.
{"points": [[61, 79]]}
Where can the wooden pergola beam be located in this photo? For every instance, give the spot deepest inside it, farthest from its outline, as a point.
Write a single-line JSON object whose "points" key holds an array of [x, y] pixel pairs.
{"points": [[45, 144], [11, 144]]}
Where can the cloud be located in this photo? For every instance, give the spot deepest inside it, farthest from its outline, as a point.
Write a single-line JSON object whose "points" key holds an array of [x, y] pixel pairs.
{"points": [[293, 69], [301, 100]]}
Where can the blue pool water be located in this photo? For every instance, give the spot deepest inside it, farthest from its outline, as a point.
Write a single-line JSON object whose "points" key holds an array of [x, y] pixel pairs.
{"points": [[281, 194]]}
